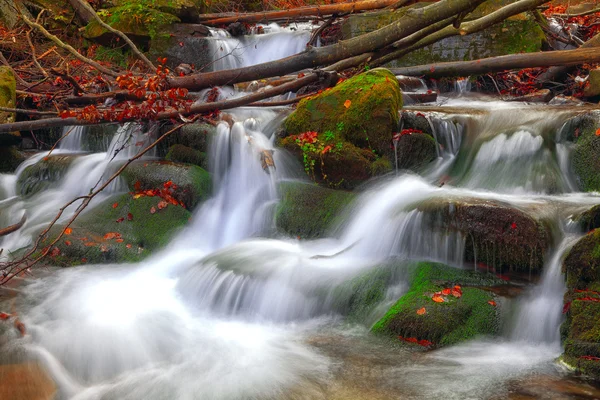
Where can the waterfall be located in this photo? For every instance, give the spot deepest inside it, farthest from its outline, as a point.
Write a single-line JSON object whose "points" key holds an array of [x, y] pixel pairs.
{"points": [[73, 139]]}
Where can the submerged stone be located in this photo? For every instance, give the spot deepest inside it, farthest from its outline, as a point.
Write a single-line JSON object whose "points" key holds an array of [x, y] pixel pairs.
{"points": [[44, 174], [468, 313], [308, 211]]}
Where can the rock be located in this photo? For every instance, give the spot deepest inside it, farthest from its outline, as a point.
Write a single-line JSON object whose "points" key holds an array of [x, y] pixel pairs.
{"points": [[496, 234], [8, 14], [415, 120], [308, 211], [183, 154], [585, 159], [108, 235], [10, 159], [581, 329], [192, 184], [8, 98], [196, 136], [565, 100], [411, 84], [354, 122], [44, 174], [455, 319], [421, 97], [415, 150], [237, 29], [589, 219], [592, 89], [26, 381]]}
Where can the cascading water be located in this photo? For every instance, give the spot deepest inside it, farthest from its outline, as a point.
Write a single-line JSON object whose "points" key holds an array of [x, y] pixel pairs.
{"points": [[73, 139]]}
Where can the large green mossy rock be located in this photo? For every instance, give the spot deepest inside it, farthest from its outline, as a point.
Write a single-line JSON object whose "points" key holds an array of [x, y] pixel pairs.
{"points": [[362, 110], [308, 211], [190, 184], [183, 154], [497, 234], [8, 98], [44, 174], [589, 219], [140, 231], [581, 329], [455, 320], [585, 159], [354, 122]]}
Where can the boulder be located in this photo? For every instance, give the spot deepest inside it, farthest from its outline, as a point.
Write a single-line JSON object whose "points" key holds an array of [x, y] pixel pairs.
{"points": [[44, 174], [10, 157], [460, 315], [190, 184], [581, 329], [196, 136], [415, 150], [585, 159], [592, 89], [496, 234], [353, 122], [120, 229], [589, 219], [308, 211], [183, 154]]}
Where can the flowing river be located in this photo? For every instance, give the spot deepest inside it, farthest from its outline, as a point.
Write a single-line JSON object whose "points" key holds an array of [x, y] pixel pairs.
{"points": [[227, 311]]}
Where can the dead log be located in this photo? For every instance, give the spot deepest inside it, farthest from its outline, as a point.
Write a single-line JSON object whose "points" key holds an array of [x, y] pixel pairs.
{"points": [[312, 11], [13, 228], [412, 21], [557, 72], [502, 63]]}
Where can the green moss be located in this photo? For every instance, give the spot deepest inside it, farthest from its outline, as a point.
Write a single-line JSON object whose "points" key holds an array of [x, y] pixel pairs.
{"points": [[582, 264], [358, 297], [8, 98], [44, 174], [183, 154], [192, 183], [589, 219], [141, 235], [307, 210], [381, 166], [446, 323], [586, 158]]}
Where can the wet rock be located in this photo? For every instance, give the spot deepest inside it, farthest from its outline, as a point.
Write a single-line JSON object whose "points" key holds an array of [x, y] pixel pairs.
{"points": [[411, 84], [590, 219], [183, 154], [585, 159], [415, 120], [454, 319], [120, 229], [421, 97], [309, 211], [415, 150], [539, 96], [237, 29], [10, 159], [191, 184], [26, 381], [581, 329], [44, 174], [565, 100], [196, 136], [354, 121], [496, 234]]}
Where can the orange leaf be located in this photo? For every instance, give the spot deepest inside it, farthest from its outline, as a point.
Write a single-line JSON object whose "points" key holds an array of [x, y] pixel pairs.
{"points": [[67, 242], [456, 293], [112, 235], [446, 291], [492, 303], [137, 195], [347, 103], [437, 299], [457, 287], [119, 240], [152, 210], [162, 204], [68, 231], [128, 245], [421, 311], [115, 205], [598, 132]]}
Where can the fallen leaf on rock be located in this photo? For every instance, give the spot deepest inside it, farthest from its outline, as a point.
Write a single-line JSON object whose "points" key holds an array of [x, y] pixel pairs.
{"points": [[492, 303], [347, 103], [115, 205], [68, 231], [421, 311], [4, 316], [437, 299], [20, 327], [67, 242], [162, 204], [112, 235], [446, 291], [152, 210], [121, 219], [129, 217]]}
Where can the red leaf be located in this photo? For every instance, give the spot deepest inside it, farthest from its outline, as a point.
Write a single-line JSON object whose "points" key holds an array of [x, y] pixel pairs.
{"points": [[112, 235], [68, 231], [20, 327], [566, 307], [129, 217], [598, 132], [437, 299], [121, 219], [492, 303], [4, 316], [513, 226], [67, 242], [446, 291], [456, 293], [55, 252], [421, 311], [425, 343], [115, 205], [128, 245]]}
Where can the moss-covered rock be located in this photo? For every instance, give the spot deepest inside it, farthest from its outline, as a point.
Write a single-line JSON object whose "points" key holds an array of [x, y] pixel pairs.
{"points": [[44, 174], [354, 122], [10, 159], [185, 10], [307, 210], [585, 159], [183, 154], [497, 234], [415, 150], [126, 232], [593, 87], [589, 219], [8, 98], [581, 329], [362, 110], [190, 184], [452, 321]]}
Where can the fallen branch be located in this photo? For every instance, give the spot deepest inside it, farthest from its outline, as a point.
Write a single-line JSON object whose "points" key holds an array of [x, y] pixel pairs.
{"points": [[502, 63], [13, 228], [581, 14]]}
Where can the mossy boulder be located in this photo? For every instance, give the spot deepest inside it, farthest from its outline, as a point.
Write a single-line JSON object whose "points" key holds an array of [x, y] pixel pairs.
{"points": [[196, 136], [308, 211], [127, 232], [354, 122], [190, 184], [183, 154], [44, 174], [589, 219], [455, 319], [8, 98], [585, 158], [593, 87], [185, 10], [581, 329], [10, 159], [496, 234], [415, 150]]}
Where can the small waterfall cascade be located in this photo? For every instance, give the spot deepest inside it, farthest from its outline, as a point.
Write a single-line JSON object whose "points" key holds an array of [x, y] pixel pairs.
{"points": [[275, 43], [462, 86], [540, 312], [73, 139]]}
